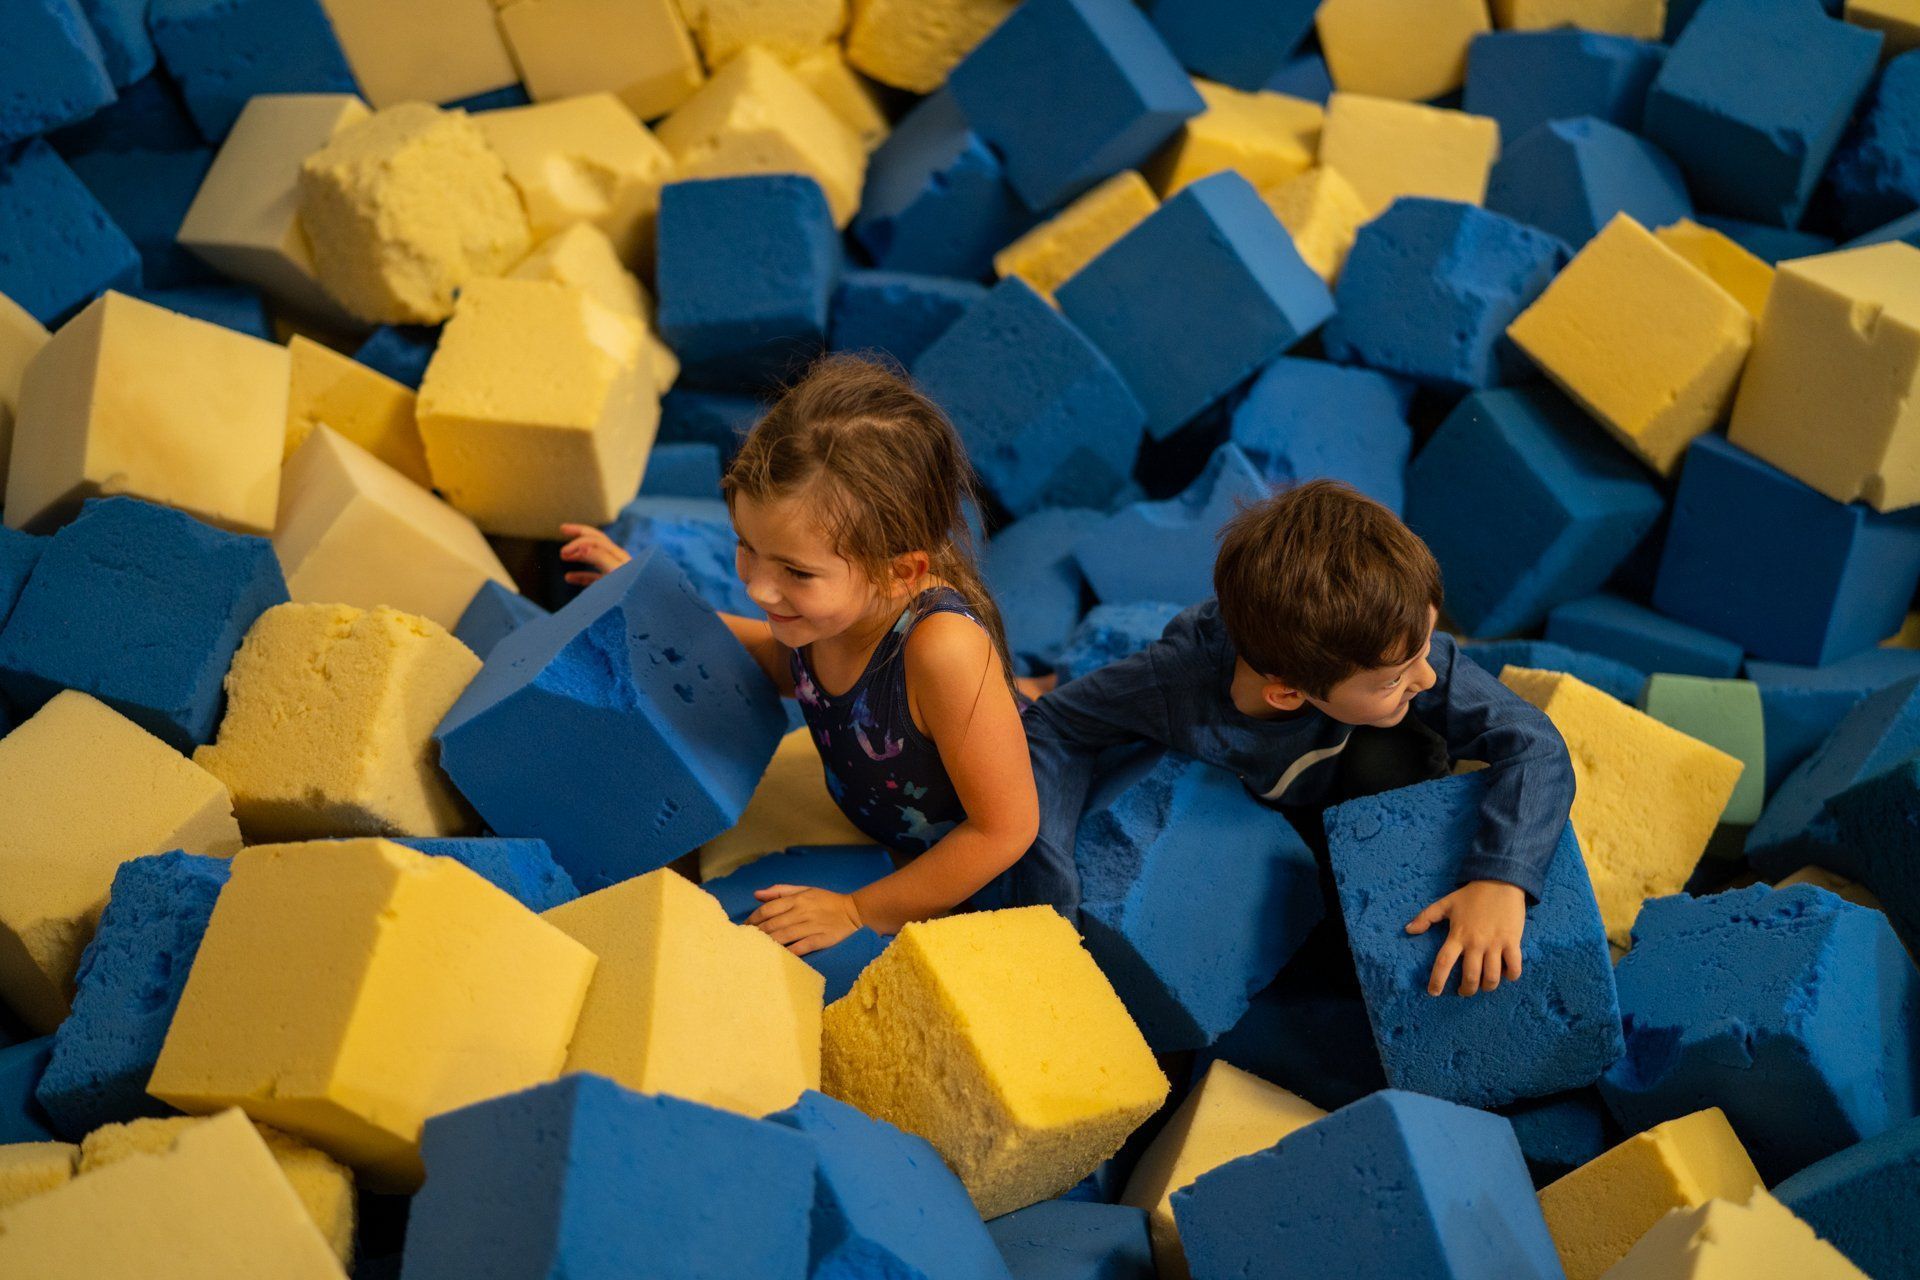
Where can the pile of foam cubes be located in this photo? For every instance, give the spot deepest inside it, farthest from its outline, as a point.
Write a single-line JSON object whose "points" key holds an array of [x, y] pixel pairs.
{"points": [[371, 902]]}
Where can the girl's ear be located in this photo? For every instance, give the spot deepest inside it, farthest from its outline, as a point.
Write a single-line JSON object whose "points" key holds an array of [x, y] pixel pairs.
{"points": [[1282, 697], [909, 567]]}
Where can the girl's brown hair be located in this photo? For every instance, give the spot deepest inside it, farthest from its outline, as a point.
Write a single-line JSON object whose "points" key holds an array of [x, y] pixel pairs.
{"points": [[884, 471]]}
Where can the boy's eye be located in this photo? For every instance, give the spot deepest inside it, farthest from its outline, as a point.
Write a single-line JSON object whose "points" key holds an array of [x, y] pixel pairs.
{"points": [[1393, 683]]}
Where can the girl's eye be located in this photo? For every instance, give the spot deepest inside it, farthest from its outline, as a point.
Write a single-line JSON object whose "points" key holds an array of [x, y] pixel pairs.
{"points": [[803, 577]]}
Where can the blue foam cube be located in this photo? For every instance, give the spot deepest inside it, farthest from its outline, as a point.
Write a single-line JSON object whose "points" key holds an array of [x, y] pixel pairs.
{"points": [[1170, 851], [584, 1178], [493, 612], [708, 417], [1793, 1011], [1029, 566], [121, 28], [1570, 506], [1430, 287], [1243, 43], [1870, 833], [896, 313], [1418, 1186], [58, 248], [223, 52], [1609, 675], [841, 868], [1570, 177], [1309, 420], [1307, 1033], [1197, 296], [148, 115], [231, 306], [1165, 550], [19, 553], [687, 470], [1752, 99], [129, 983], [52, 66], [1770, 244], [697, 535], [1561, 1132], [936, 198], [1800, 706], [524, 869], [147, 193], [1047, 419], [21, 1118], [1069, 1239], [1070, 92], [746, 268], [1111, 632], [1634, 634], [142, 607], [623, 730], [1875, 175], [1305, 76], [402, 352], [1526, 78], [1789, 574], [1861, 1200], [1905, 229]]}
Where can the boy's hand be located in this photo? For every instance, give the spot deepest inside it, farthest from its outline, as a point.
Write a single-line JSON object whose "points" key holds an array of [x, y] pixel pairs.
{"points": [[589, 546], [804, 920], [1484, 921]]}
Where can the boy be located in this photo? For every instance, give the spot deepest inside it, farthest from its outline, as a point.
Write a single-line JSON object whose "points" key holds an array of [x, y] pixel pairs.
{"points": [[1316, 675]]}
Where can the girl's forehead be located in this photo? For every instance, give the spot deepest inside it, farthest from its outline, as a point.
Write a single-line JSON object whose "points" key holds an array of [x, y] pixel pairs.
{"points": [[787, 525]]}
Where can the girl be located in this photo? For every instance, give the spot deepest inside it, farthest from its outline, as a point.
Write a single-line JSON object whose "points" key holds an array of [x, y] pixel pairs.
{"points": [[847, 499]]}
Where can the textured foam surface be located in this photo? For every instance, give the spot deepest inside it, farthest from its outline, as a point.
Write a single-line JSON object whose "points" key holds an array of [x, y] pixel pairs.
{"points": [[896, 312], [1110, 632], [1570, 177], [1071, 1240], [1858, 1200], [790, 806], [841, 868], [1526, 78], [1165, 550], [1030, 567], [491, 615], [222, 56], [525, 869], [58, 247], [1615, 627], [1725, 1239], [1727, 714]]}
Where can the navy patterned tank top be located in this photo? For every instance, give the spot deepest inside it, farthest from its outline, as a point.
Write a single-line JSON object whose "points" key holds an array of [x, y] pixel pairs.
{"points": [[884, 773]]}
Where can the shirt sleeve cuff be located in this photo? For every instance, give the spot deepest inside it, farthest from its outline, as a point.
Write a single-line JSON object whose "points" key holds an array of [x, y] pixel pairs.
{"points": [[1514, 871]]}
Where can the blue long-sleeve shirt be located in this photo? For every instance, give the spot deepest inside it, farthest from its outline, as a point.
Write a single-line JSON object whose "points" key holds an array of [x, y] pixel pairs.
{"points": [[1177, 692]]}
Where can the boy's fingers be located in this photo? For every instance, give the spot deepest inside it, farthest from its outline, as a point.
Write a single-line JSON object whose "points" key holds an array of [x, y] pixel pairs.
{"points": [[1443, 966], [1513, 960], [1470, 965], [1428, 918], [1490, 971]]}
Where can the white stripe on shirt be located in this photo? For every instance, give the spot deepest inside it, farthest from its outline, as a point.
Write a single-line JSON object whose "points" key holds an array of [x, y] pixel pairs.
{"points": [[1301, 765]]}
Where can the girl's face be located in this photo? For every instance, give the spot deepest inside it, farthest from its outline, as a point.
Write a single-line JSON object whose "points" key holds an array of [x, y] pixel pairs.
{"points": [[809, 590]]}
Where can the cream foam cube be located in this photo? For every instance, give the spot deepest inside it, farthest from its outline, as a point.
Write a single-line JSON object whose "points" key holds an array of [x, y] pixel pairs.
{"points": [[1048, 255], [348, 990], [68, 828], [21, 337], [1644, 340], [1387, 149], [686, 1002], [788, 28], [406, 207], [755, 116], [1265, 137], [29, 1168], [1897, 20], [1722, 1240], [329, 724], [1642, 19], [245, 219], [583, 257], [1232, 1113], [1832, 394], [1406, 49], [790, 807], [825, 70], [1023, 1086], [130, 398], [912, 44], [362, 404], [421, 50], [1725, 262], [213, 1206], [355, 531], [638, 50], [1323, 213], [1646, 797], [538, 408], [585, 159]]}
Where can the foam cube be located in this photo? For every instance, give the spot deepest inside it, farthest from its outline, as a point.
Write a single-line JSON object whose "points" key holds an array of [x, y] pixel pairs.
{"points": [[1165, 550], [1048, 255], [1230, 1114], [895, 312], [1570, 177], [538, 408], [1731, 266], [1802, 705], [1856, 1199], [1389, 149], [363, 405], [682, 471], [146, 193], [913, 44], [1643, 18], [1840, 329], [1233, 42], [61, 846], [143, 608], [1615, 627], [326, 732], [1062, 433], [29, 1168], [1111, 632], [494, 611], [841, 868], [54, 67], [1429, 290], [697, 535], [1772, 245], [1305, 419], [228, 306], [581, 1175], [524, 869], [214, 1205], [582, 256], [21, 1119], [790, 806], [1724, 1238], [19, 553], [682, 719], [1265, 137], [1646, 342], [1030, 567], [992, 1046], [585, 159], [1872, 181], [640, 52], [1646, 797], [1867, 831], [1598, 1211], [434, 52], [1425, 1187], [1073, 1240], [1323, 213], [1561, 1132], [58, 247], [1752, 100], [222, 56], [21, 337], [825, 70], [1573, 507], [1836, 576], [1406, 49], [195, 418], [707, 417], [1527, 77], [1614, 678], [1723, 713]]}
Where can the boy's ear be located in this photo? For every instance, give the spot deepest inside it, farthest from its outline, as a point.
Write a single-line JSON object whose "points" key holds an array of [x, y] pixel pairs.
{"points": [[1282, 696]]}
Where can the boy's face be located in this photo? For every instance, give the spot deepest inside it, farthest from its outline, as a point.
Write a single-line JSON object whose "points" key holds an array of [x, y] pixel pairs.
{"points": [[1378, 696]]}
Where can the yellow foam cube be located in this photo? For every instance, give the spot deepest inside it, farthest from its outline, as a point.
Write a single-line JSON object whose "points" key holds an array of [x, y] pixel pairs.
{"points": [[329, 724], [1048, 254], [130, 398], [1908, 636], [1725, 261], [1023, 1086], [1323, 213], [355, 531], [583, 257], [1406, 49], [1232, 1113], [755, 116], [1596, 1212], [83, 790], [214, 1206], [788, 28], [1839, 346], [1265, 137], [405, 208], [1646, 797], [21, 337], [362, 404], [245, 219], [789, 807], [1647, 343], [1898, 20], [686, 1002], [1722, 1240], [825, 70], [423, 50], [29, 1168], [324, 1185], [585, 159], [638, 50], [1832, 883], [1389, 149], [348, 990], [913, 44], [1642, 19], [538, 408]]}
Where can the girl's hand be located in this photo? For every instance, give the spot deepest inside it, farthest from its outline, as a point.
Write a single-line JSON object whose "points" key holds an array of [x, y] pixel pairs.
{"points": [[1485, 919], [589, 546], [804, 920]]}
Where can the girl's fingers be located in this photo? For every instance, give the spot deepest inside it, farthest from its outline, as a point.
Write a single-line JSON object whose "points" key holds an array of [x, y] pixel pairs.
{"points": [[773, 891], [771, 911], [583, 578]]}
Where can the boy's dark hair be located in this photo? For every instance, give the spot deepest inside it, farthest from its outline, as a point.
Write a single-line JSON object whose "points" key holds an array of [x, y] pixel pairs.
{"points": [[1321, 581]]}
